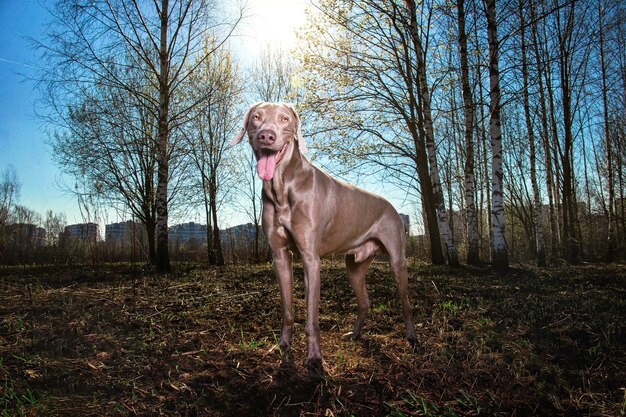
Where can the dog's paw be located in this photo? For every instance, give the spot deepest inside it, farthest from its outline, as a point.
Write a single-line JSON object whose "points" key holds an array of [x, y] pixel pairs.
{"points": [[315, 368], [414, 345]]}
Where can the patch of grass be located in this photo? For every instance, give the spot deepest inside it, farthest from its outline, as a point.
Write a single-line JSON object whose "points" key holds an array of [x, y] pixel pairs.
{"points": [[417, 405], [14, 402], [380, 308], [250, 344], [115, 340], [450, 307]]}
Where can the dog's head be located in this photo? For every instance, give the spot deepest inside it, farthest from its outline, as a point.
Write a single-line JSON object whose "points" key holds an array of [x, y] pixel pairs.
{"points": [[272, 129]]}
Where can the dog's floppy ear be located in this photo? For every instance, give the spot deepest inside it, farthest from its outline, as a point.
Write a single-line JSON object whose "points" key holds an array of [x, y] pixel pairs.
{"points": [[299, 138], [244, 129]]}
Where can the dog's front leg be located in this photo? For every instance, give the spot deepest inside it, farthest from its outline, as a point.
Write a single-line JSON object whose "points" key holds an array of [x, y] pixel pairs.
{"points": [[282, 266], [312, 291]]}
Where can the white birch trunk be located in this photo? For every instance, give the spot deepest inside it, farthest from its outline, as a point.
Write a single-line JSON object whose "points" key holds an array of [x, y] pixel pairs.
{"points": [[473, 253], [442, 214], [499, 257]]}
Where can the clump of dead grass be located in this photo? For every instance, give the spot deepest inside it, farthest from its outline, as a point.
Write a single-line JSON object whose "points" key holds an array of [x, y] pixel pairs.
{"points": [[122, 341]]}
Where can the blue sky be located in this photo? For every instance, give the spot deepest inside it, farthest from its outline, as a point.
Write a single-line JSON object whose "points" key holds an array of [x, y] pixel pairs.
{"points": [[23, 139], [22, 136]]}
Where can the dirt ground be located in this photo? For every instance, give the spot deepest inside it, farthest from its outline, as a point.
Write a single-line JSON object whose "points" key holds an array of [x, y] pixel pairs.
{"points": [[120, 341]]}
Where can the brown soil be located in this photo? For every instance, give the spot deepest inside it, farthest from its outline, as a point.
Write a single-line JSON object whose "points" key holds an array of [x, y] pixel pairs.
{"points": [[119, 341]]}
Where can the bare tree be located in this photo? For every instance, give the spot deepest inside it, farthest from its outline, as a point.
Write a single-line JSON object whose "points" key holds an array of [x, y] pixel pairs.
{"points": [[499, 256], [217, 87], [473, 253], [10, 188], [538, 223], [365, 69], [9, 194], [106, 43], [108, 146], [611, 233], [545, 131], [567, 40], [272, 75], [54, 224]]}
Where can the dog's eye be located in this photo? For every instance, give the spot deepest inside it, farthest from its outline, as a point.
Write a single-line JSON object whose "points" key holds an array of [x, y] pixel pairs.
{"points": [[284, 119], [255, 117]]}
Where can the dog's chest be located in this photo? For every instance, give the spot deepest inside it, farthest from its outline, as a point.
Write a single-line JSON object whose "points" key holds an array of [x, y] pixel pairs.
{"points": [[276, 202]]}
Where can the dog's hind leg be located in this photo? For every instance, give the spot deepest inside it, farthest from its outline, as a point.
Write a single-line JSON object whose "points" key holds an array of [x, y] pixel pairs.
{"points": [[356, 274]]}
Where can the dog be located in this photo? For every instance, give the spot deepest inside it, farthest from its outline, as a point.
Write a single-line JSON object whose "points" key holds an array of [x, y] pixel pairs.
{"points": [[308, 212]]}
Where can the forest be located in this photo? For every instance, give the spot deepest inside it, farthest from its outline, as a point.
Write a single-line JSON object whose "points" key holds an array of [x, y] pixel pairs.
{"points": [[497, 126]]}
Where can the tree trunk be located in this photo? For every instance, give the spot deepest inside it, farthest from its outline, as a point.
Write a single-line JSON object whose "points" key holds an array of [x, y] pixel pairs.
{"points": [[415, 125], [422, 83], [551, 150], [430, 213], [217, 244], [539, 241], [208, 216], [499, 251], [473, 253], [162, 249], [545, 138], [150, 225], [610, 252], [572, 249]]}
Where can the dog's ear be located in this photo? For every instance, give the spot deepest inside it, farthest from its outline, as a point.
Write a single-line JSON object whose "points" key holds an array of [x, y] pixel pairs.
{"points": [[244, 129], [299, 138]]}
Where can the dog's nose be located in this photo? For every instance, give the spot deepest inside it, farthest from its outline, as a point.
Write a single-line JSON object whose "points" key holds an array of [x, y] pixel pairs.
{"points": [[267, 137]]}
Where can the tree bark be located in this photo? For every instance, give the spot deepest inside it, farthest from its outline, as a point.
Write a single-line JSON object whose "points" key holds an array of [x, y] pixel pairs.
{"points": [[217, 244], [428, 204], [424, 95], [610, 252], [572, 248], [499, 257], [545, 138], [539, 241], [162, 249], [473, 253]]}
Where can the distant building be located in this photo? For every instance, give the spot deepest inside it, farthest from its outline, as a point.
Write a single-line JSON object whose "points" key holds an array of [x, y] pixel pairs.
{"points": [[126, 240], [25, 232], [407, 222], [124, 233], [86, 232], [240, 233], [188, 231]]}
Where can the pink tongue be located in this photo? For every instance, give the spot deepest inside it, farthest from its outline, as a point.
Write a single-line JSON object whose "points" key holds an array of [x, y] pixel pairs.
{"points": [[266, 165]]}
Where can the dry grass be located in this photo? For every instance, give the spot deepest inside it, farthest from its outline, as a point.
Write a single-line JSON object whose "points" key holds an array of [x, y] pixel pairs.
{"points": [[120, 341]]}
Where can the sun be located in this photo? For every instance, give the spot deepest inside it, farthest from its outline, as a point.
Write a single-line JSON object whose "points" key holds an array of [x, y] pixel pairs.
{"points": [[274, 22]]}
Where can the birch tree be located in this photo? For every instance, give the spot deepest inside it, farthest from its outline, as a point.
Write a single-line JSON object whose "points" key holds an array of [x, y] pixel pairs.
{"points": [[542, 80], [361, 65], [499, 257], [424, 97], [217, 88], [538, 223], [107, 145], [608, 146], [473, 253], [91, 44]]}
